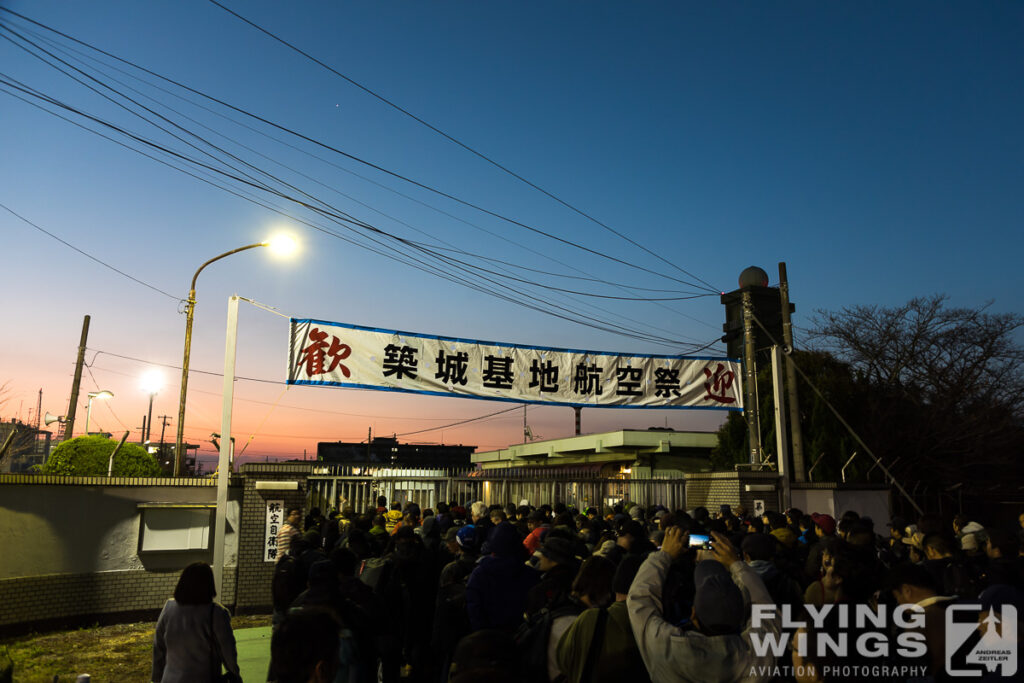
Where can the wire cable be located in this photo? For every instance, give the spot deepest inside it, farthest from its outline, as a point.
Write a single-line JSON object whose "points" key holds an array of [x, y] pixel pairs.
{"points": [[528, 302], [842, 420], [369, 164], [88, 255], [460, 422], [460, 143]]}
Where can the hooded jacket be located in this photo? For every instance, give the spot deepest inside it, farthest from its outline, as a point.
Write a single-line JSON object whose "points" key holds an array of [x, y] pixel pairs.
{"points": [[673, 654], [497, 588], [785, 536], [391, 520]]}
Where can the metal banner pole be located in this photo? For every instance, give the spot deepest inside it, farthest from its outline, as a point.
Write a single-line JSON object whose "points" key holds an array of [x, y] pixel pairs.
{"points": [[224, 461]]}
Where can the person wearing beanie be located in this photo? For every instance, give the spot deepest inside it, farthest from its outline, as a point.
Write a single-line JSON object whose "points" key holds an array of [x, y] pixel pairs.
{"points": [[719, 647]]}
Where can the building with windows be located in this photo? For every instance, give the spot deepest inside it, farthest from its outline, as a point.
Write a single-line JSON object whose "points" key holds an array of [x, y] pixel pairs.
{"points": [[28, 446], [388, 451], [656, 451]]}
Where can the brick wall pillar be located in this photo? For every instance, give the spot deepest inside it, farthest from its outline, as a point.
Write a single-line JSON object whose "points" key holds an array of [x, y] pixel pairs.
{"points": [[254, 574], [713, 489]]}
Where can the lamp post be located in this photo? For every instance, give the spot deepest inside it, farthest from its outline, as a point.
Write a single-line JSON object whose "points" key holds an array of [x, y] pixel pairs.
{"points": [[282, 244], [88, 412]]}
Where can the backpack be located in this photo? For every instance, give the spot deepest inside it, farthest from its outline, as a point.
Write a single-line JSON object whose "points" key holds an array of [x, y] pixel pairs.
{"points": [[374, 572], [958, 579], [287, 583], [532, 639]]}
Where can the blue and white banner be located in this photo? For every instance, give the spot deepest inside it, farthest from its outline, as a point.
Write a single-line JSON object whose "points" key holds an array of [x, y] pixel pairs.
{"points": [[336, 354]]}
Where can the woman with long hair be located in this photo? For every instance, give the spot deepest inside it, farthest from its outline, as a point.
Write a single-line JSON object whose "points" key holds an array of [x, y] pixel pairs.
{"points": [[193, 634]]}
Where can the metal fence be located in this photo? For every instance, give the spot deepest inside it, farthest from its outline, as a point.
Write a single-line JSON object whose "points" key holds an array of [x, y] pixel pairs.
{"points": [[333, 486]]}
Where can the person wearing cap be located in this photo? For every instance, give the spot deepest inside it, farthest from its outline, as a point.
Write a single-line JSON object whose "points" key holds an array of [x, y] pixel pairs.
{"points": [[824, 528], [913, 584], [462, 542], [719, 647], [451, 621], [558, 566]]}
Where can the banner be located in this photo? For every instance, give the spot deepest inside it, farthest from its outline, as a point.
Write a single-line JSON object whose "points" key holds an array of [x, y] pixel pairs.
{"points": [[336, 354]]}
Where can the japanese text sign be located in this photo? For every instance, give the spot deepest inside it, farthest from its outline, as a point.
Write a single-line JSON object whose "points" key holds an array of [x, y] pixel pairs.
{"points": [[275, 518], [336, 354]]}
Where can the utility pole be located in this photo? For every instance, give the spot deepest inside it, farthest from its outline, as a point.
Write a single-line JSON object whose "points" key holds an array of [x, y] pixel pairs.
{"points": [[578, 410], [794, 407], [142, 436], [163, 426], [69, 423]]}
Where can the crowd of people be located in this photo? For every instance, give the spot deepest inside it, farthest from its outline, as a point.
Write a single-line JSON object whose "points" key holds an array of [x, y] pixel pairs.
{"points": [[523, 594]]}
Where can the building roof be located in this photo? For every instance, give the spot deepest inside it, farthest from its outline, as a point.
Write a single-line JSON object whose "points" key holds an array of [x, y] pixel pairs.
{"points": [[618, 446]]}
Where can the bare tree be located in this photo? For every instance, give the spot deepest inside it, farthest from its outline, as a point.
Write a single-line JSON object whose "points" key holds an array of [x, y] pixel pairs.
{"points": [[946, 384]]}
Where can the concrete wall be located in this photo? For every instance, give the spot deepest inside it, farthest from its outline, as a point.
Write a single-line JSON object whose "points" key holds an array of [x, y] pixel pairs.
{"points": [[70, 545], [835, 499]]}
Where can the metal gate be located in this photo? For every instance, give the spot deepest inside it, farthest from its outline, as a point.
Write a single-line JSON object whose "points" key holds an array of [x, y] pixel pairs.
{"points": [[332, 487]]}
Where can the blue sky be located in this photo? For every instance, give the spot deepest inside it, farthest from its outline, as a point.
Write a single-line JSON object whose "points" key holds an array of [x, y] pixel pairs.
{"points": [[874, 147]]}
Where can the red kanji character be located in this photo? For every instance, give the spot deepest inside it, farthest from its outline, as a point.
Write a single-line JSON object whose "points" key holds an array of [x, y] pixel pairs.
{"points": [[719, 383], [313, 355], [338, 352]]}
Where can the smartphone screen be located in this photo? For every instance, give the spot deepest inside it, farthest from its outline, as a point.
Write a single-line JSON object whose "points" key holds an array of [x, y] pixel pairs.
{"points": [[700, 540]]}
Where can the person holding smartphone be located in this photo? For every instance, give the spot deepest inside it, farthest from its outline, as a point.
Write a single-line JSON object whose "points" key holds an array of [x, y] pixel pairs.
{"points": [[718, 647]]}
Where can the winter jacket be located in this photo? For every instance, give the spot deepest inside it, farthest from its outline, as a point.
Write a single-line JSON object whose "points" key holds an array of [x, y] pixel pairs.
{"points": [[182, 646], [785, 536], [497, 589], [535, 538], [673, 654], [391, 520], [618, 657], [783, 589], [554, 587]]}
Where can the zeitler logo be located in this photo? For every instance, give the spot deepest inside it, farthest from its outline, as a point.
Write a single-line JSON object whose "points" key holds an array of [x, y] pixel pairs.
{"points": [[979, 641]]}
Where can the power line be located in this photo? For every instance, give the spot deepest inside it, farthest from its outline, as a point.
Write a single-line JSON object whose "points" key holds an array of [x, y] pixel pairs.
{"points": [[88, 255], [376, 167], [460, 422], [357, 175], [528, 302], [428, 250], [459, 143]]}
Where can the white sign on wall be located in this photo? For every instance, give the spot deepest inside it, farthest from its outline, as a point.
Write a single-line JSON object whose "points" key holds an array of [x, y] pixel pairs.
{"points": [[337, 354], [275, 518]]}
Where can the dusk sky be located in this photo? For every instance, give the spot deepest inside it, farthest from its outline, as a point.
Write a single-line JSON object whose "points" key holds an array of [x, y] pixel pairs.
{"points": [[875, 147]]}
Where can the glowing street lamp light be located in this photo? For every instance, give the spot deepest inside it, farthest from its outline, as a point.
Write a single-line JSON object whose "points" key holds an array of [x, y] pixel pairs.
{"points": [[152, 382], [88, 413], [280, 244]]}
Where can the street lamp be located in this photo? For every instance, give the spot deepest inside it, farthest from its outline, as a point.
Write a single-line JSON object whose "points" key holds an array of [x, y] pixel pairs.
{"points": [[281, 244], [88, 413], [151, 383]]}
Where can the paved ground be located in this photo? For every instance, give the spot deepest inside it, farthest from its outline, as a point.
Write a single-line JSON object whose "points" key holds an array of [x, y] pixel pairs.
{"points": [[253, 653]]}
